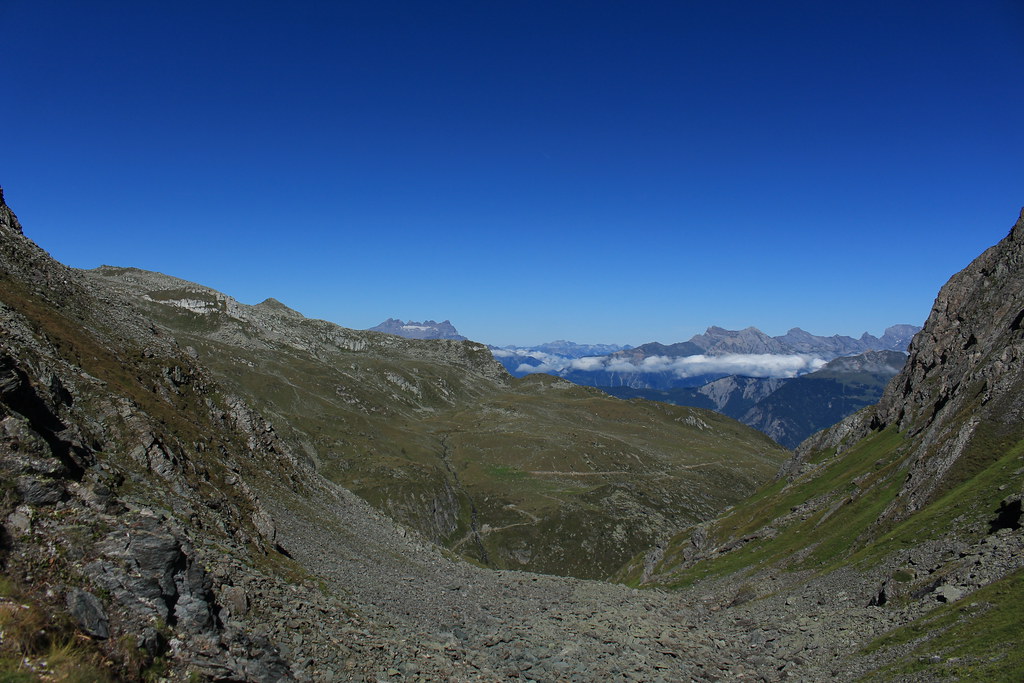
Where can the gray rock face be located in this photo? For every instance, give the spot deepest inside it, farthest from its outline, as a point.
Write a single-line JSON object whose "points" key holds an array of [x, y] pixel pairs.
{"points": [[7, 217], [38, 491], [87, 611], [969, 358], [147, 572], [948, 593], [733, 395]]}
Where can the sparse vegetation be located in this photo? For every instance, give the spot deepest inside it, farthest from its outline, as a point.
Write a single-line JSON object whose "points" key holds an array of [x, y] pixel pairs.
{"points": [[39, 646], [453, 447], [978, 640], [165, 456]]}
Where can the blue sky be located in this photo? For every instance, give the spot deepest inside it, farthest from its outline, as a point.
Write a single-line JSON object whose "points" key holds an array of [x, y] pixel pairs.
{"points": [[532, 170]]}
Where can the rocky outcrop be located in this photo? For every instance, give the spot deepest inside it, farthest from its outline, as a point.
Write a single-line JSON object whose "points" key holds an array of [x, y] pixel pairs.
{"points": [[7, 218], [960, 370], [969, 341], [961, 392]]}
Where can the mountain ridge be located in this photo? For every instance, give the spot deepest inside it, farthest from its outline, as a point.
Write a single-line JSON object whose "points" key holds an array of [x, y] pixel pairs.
{"points": [[437, 435], [157, 522], [720, 341], [716, 354], [428, 329]]}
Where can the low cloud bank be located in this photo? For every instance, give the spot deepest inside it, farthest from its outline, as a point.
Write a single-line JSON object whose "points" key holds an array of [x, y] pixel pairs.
{"points": [[746, 364]]}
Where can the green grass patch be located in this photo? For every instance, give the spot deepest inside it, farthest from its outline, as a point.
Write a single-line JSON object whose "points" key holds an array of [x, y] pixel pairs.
{"points": [[972, 499], [979, 640], [855, 486], [871, 455], [990, 439]]}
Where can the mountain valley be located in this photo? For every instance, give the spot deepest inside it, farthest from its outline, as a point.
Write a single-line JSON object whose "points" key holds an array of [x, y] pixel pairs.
{"points": [[533, 473], [197, 489], [697, 372]]}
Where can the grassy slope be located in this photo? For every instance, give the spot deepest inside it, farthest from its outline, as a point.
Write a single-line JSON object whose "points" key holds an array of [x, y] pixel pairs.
{"points": [[979, 640], [831, 517], [533, 473], [772, 527], [678, 397]]}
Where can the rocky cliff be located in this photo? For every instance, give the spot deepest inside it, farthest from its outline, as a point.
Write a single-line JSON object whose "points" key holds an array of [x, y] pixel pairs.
{"points": [[907, 506], [961, 394]]}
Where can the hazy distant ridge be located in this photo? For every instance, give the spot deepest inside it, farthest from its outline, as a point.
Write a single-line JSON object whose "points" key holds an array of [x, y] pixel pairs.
{"points": [[705, 357], [428, 329], [717, 341]]}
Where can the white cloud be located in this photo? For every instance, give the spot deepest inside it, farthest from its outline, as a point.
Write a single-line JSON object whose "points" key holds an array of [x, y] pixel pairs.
{"points": [[746, 364], [588, 363]]}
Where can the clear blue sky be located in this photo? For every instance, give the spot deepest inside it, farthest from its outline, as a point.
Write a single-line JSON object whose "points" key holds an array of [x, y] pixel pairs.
{"points": [[532, 170]]}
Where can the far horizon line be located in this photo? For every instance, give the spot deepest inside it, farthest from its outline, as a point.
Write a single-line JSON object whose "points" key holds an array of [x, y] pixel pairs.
{"points": [[706, 330]]}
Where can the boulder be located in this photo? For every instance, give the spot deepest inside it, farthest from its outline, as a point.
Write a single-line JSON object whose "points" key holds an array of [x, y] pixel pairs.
{"points": [[87, 611], [948, 593]]}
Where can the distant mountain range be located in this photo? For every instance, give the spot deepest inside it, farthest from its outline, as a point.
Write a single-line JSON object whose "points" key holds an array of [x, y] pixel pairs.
{"points": [[428, 329], [789, 409], [566, 349], [717, 341], [704, 358], [789, 386]]}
